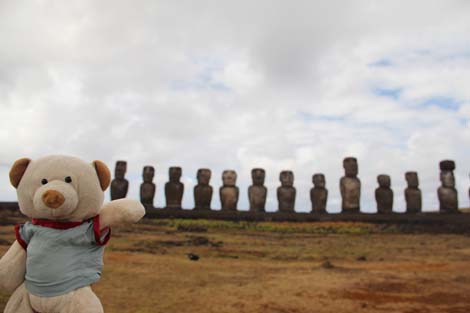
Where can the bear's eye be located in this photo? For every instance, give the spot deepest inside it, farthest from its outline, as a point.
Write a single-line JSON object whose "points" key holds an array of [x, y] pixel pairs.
{"points": [[44, 181], [68, 179]]}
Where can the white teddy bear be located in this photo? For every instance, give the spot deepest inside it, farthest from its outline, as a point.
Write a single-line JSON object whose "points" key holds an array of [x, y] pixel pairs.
{"points": [[59, 254]]}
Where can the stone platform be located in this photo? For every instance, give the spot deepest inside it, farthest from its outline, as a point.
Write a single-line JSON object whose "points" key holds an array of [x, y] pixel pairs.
{"points": [[425, 218]]}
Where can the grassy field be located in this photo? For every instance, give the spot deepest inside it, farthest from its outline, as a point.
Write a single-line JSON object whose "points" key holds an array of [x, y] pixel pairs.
{"points": [[280, 267]]}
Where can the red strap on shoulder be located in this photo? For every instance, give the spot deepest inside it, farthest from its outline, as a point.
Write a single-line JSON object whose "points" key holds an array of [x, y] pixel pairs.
{"points": [[97, 230], [18, 237]]}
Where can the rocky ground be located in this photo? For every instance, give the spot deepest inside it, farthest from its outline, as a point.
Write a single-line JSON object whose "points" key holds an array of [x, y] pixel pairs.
{"points": [[280, 267]]}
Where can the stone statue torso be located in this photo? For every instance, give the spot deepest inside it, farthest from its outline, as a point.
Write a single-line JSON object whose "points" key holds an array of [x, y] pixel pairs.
{"points": [[229, 197], [119, 188], [257, 196], [203, 196], [318, 197], [413, 200], [147, 193], [286, 198], [351, 192], [384, 198], [448, 199], [174, 194]]}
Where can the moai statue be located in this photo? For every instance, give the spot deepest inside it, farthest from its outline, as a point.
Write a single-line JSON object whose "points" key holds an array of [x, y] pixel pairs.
{"points": [[318, 194], [447, 193], [412, 193], [119, 185], [229, 191], [350, 186], [384, 194], [174, 189], [257, 192], [147, 188], [286, 192], [203, 191]]}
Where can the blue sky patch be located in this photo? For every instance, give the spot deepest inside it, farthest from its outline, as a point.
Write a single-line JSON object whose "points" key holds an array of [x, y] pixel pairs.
{"points": [[392, 93], [185, 85], [423, 52], [443, 102], [381, 63], [204, 78], [309, 117]]}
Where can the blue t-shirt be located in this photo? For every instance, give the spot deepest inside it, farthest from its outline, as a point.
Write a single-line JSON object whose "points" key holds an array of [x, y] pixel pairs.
{"points": [[62, 257]]}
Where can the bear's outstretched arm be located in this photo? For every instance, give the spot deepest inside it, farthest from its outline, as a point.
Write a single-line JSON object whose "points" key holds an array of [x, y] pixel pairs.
{"points": [[12, 268], [122, 211]]}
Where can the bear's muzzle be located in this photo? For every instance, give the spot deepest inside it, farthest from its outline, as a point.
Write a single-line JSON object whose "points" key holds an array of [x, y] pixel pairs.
{"points": [[53, 199]]}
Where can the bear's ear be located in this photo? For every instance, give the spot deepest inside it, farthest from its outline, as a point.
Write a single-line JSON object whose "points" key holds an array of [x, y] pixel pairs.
{"points": [[103, 174], [17, 171]]}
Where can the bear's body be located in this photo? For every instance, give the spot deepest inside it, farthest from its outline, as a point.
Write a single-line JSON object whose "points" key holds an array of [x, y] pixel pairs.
{"points": [[75, 250], [50, 267]]}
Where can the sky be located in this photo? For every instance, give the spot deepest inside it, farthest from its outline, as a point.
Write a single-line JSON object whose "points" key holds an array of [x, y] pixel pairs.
{"points": [[295, 85]]}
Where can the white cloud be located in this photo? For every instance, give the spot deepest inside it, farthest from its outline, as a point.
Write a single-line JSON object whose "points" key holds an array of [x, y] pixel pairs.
{"points": [[239, 85]]}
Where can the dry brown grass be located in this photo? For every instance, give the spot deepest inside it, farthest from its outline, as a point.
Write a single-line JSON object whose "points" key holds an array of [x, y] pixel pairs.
{"points": [[277, 267]]}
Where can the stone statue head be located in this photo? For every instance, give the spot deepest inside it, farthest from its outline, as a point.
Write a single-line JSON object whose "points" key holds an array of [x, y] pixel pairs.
{"points": [[350, 166], [175, 173], [203, 176], [286, 178], [447, 165], [447, 179], [412, 179], [258, 175], [120, 169], [384, 181], [229, 177], [319, 180], [148, 173]]}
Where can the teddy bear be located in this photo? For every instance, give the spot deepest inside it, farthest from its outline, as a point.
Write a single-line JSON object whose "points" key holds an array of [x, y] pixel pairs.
{"points": [[59, 253]]}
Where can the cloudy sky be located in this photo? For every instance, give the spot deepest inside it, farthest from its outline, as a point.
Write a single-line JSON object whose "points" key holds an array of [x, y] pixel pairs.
{"points": [[240, 84]]}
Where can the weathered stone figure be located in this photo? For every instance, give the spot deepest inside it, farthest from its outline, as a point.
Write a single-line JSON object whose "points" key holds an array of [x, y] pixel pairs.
{"points": [[350, 186], [447, 193], [203, 191], [147, 188], [384, 194], [174, 189], [229, 191], [318, 194], [412, 193], [286, 192], [119, 185], [257, 192]]}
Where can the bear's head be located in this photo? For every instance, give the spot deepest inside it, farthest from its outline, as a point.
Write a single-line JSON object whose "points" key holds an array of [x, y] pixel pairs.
{"points": [[58, 187]]}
